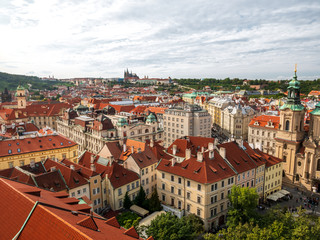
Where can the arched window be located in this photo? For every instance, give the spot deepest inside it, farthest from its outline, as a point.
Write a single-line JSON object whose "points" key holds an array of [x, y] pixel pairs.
{"points": [[318, 165], [147, 130], [287, 125], [21, 103]]}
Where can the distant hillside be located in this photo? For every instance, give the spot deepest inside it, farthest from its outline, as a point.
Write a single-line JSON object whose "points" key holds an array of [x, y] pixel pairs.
{"points": [[11, 81]]}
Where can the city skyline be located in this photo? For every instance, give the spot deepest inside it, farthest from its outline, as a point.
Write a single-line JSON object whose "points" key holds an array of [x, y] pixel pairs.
{"points": [[181, 39]]}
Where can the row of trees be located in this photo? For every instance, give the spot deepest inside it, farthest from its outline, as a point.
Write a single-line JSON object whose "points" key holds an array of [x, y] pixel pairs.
{"points": [[244, 222]]}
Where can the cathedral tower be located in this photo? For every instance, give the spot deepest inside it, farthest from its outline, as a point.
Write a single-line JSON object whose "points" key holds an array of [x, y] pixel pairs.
{"points": [[291, 130]]}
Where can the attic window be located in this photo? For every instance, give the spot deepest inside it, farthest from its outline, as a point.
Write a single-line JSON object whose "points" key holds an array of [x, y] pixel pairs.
{"points": [[69, 142], [185, 166], [18, 143], [39, 140], [29, 142], [9, 144], [54, 144], [222, 167], [124, 173], [50, 139], [148, 157], [236, 162], [244, 159], [117, 176], [40, 146], [213, 169], [198, 170], [9, 151], [19, 150], [61, 144], [140, 160], [76, 180], [167, 164]]}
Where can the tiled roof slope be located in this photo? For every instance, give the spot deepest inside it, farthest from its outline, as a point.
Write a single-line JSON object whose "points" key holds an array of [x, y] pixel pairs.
{"points": [[71, 177], [263, 121], [51, 221], [193, 143], [145, 158], [83, 171], [27, 145], [207, 171], [237, 157]]}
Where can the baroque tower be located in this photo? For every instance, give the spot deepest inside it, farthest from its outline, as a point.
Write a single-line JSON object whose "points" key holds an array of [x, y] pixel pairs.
{"points": [[21, 97], [291, 132]]}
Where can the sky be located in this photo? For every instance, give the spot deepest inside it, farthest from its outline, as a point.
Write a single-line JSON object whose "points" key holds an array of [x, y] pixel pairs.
{"points": [[161, 38]]}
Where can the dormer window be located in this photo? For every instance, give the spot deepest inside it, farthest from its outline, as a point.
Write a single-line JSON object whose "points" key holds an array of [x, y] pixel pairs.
{"points": [[19, 150], [256, 123], [9, 151]]}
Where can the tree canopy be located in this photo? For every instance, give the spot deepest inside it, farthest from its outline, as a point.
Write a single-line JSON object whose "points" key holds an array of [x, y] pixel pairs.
{"points": [[168, 226]]}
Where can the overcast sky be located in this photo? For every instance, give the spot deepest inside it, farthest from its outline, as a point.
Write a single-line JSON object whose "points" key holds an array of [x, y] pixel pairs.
{"points": [[160, 38]]}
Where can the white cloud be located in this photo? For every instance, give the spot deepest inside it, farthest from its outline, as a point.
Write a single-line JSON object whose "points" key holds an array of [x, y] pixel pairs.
{"points": [[253, 39]]}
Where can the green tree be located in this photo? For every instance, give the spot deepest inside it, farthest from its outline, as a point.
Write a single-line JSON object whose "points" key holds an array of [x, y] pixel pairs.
{"points": [[127, 202], [243, 205], [140, 198], [128, 219], [168, 226], [154, 202]]}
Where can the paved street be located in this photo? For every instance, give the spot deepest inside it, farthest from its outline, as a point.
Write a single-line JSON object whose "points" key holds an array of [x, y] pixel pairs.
{"points": [[299, 199]]}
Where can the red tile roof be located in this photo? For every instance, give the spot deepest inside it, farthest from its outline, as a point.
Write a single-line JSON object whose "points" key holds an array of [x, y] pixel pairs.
{"points": [[36, 144], [83, 171], [113, 222], [71, 177], [145, 158], [263, 121], [207, 171], [88, 222], [122, 108], [132, 233]]}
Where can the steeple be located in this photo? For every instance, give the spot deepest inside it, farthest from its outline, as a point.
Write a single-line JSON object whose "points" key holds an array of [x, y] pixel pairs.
{"points": [[293, 101]]}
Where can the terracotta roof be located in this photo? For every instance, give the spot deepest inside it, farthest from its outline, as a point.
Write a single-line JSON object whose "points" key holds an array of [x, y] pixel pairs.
{"points": [[207, 171], [71, 177], [237, 157], [132, 233], [138, 110], [113, 222], [12, 129], [156, 110], [270, 160], [129, 144], [122, 108], [83, 171], [263, 121], [258, 159], [88, 222], [145, 158], [36, 144], [195, 144]]}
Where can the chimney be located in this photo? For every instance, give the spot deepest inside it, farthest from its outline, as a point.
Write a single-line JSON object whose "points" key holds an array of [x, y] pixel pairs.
{"points": [[222, 152], [202, 149], [93, 167], [124, 147], [92, 158], [151, 143], [132, 149], [188, 153], [72, 167], [52, 169], [211, 154], [199, 156], [210, 146], [216, 142], [174, 149], [173, 161]]}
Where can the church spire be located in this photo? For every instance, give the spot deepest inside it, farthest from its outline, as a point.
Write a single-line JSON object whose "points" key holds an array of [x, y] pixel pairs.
{"points": [[293, 101]]}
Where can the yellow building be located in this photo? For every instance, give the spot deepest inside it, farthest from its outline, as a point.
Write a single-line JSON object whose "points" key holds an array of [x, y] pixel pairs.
{"points": [[273, 176], [22, 151]]}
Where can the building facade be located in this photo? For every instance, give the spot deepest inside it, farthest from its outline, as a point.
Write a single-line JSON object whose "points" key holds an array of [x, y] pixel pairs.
{"points": [[188, 121]]}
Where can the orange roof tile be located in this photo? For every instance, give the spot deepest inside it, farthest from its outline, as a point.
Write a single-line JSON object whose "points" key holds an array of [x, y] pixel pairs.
{"points": [[263, 121]]}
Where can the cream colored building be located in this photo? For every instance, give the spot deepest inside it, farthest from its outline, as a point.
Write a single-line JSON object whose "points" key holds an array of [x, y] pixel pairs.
{"points": [[273, 177], [262, 133], [215, 106], [184, 187], [188, 121], [235, 121]]}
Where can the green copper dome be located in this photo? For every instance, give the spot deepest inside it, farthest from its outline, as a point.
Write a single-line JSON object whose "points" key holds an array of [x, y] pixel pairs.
{"points": [[121, 122], [316, 111], [293, 101], [151, 118], [20, 87]]}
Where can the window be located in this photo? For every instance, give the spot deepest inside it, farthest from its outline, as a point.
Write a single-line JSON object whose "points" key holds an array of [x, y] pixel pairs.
{"points": [[214, 187], [120, 203], [147, 181], [128, 188], [163, 186], [21, 162], [222, 184], [238, 178], [198, 212], [163, 197], [137, 184], [214, 199], [95, 181], [163, 175], [73, 194], [199, 199], [188, 195], [84, 190], [222, 195], [142, 172], [172, 178], [94, 191], [247, 184], [172, 189], [179, 180], [199, 187], [142, 182], [188, 207], [243, 176], [119, 192], [287, 125], [132, 185], [188, 183], [179, 192], [221, 208]]}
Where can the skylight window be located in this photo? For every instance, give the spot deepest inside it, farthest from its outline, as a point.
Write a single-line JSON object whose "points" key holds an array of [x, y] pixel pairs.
{"points": [[19, 150], [9, 144], [9, 151], [50, 139], [61, 144], [18, 143]]}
